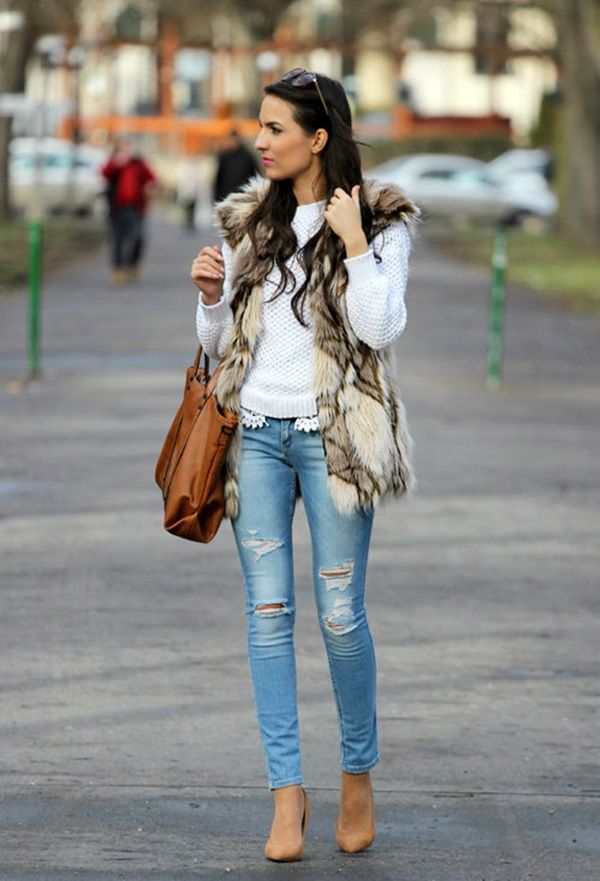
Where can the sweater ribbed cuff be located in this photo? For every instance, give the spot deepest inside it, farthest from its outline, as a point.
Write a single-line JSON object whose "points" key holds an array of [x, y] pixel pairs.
{"points": [[214, 313], [362, 269]]}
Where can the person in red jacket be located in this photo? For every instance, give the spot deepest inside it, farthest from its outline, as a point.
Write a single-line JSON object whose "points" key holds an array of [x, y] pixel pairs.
{"points": [[129, 180]]}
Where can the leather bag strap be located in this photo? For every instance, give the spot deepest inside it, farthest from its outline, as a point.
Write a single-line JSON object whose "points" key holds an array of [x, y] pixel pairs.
{"points": [[211, 379], [206, 363]]}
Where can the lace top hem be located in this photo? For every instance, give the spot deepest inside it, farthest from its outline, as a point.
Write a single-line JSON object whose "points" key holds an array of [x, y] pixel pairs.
{"points": [[251, 419]]}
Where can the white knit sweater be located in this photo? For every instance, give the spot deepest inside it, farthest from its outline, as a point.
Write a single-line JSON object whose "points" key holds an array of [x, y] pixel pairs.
{"points": [[279, 382]]}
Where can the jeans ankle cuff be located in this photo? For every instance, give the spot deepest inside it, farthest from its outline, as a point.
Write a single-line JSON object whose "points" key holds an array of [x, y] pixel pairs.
{"points": [[360, 769], [289, 781]]}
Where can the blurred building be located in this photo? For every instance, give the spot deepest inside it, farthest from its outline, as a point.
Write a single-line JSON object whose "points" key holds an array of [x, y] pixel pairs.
{"points": [[151, 60], [482, 59]]}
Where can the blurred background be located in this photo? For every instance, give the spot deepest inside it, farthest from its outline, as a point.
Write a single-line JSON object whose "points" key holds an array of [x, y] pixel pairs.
{"points": [[129, 747], [483, 110]]}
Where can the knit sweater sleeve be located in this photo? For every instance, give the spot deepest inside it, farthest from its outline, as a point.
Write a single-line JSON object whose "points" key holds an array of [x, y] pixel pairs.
{"points": [[214, 323], [375, 291]]}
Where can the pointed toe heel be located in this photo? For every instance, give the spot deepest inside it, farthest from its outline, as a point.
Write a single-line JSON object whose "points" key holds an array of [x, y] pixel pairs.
{"points": [[354, 835], [278, 853]]}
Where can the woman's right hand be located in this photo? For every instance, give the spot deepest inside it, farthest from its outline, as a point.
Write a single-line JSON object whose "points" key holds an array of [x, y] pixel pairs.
{"points": [[208, 274]]}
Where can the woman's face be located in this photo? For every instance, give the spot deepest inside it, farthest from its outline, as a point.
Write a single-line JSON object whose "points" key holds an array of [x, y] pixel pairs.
{"points": [[287, 150]]}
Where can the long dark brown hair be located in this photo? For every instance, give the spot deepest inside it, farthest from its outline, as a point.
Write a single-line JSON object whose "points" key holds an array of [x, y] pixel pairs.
{"points": [[340, 168]]}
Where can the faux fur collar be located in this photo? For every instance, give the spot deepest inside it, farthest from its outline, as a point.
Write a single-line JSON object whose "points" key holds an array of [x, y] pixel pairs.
{"points": [[388, 202]]}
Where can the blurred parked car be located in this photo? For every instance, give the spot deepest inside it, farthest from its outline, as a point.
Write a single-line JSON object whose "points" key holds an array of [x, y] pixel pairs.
{"points": [[517, 162], [444, 185], [68, 179]]}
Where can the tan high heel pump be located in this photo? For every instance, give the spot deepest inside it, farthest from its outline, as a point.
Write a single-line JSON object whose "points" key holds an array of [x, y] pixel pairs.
{"points": [[349, 837], [283, 853]]}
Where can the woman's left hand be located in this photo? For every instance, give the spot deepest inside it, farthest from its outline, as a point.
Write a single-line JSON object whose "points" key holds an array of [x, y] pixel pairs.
{"points": [[343, 215]]}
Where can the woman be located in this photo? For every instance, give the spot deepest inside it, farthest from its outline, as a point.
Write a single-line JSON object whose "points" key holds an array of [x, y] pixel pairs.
{"points": [[300, 305]]}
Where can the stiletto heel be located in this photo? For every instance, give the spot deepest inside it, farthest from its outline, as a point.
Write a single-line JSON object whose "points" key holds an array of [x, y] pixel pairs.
{"points": [[284, 854]]}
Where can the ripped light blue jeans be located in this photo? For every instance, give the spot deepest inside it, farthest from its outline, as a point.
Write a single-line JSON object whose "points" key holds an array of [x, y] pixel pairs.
{"points": [[274, 458]]}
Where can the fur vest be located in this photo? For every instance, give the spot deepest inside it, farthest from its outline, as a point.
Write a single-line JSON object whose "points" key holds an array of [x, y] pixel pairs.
{"points": [[361, 418]]}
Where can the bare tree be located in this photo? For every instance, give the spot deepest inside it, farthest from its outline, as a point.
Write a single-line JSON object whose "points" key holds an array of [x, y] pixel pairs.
{"points": [[578, 53], [578, 50], [12, 80], [579, 45], [259, 16], [39, 17], [578, 29], [393, 20]]}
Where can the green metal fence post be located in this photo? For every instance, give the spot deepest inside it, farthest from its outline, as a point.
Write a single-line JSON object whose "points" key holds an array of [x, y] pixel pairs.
{"points": [[35, 280], [495, 342]]}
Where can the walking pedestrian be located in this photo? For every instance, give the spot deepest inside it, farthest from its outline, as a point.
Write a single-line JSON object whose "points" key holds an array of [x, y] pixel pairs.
{"points": [[130, 179], [235, 166], [194, 190], [301, 303]]}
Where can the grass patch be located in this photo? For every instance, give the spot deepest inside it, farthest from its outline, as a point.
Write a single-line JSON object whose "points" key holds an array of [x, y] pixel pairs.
{"points": [[544, 262], [65, 239]]}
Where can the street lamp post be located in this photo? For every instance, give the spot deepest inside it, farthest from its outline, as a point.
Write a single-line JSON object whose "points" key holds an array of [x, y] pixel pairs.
{"points": [[75, 58], [75, 61], [495, 340]]}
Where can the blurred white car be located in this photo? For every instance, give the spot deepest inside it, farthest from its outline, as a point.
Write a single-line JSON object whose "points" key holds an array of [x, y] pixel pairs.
{"points": [[66, 179], [520, 161], [445, 185]]}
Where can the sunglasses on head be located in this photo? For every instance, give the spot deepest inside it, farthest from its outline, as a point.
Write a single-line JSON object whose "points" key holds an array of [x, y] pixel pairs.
{"points": [[302, 79]]}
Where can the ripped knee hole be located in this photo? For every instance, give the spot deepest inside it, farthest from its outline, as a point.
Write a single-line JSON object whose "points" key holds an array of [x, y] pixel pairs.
{"points": [[261, 546], [267, 609], [341, 619], [338, 577]]}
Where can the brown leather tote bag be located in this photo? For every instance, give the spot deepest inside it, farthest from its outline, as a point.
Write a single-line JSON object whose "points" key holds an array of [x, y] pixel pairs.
{"points": [[189, 470]]}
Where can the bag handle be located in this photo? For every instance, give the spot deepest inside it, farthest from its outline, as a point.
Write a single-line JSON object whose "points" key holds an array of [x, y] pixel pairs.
{"points": [[210, 380], [206, 363]]}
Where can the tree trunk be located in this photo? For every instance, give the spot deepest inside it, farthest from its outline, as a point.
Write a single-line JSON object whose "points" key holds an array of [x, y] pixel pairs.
{"points": [[13, 58], [4, 184], [581, 120], [50, 16]]}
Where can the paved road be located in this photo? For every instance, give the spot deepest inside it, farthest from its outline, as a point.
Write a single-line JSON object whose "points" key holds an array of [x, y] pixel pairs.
{"points": [[129, 747]]}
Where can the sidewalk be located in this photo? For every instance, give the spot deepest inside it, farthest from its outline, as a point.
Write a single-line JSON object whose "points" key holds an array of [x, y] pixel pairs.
{"points": [[129, 744]]}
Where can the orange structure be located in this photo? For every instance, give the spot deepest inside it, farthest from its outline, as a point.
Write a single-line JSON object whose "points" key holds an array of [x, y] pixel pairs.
{"points": [[176, 134], [168, 46], [407, 124]]}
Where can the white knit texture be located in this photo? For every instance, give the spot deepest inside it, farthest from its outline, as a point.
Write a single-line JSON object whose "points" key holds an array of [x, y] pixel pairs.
{"points": [[280, 382]]}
